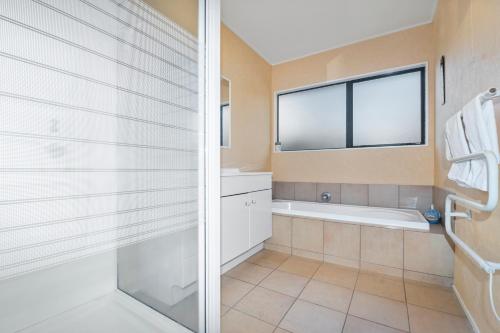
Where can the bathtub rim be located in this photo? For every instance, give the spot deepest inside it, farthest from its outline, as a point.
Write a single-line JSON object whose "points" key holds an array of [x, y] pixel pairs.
{"points": [[420, 226]]}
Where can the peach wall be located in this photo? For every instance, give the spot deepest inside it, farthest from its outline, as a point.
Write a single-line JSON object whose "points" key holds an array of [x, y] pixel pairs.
{"points": [[250, 77], [407, 166], [468, 34], [182, 12]]}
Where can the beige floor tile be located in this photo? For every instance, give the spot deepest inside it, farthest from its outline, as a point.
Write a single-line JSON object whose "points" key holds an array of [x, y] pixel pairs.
{"points": [[237, 322], [233, 290], [329, 295], [381, 285], [358, 325], [269, 259], [286, 283], [305, 317], [265, 305], [433, 297], [250, 273], [300, 266], [380, 310], [428, 321], [338, 275]]}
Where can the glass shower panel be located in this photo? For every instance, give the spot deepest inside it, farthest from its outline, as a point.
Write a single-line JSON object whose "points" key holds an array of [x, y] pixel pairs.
{"points": [[160, 268], [99, 167]]}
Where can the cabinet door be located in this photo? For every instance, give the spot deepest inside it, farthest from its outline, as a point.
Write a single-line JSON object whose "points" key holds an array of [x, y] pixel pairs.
{"points": [[261, 224], [234, 226]]}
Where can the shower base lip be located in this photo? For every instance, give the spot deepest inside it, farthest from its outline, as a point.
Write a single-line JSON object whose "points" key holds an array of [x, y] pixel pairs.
{"points": [[115, 312]]}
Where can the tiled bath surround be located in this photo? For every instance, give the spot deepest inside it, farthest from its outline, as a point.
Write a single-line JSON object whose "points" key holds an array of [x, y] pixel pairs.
{"points": [[391, 196], [421, 256]]}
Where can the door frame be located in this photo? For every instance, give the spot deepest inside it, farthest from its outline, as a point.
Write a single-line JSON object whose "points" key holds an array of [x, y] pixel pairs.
{"points": [[209, 157]]}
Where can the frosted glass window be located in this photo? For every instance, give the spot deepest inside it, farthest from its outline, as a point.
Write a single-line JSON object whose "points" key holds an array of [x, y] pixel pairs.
{"points": [[388, 110], [313, 118]]}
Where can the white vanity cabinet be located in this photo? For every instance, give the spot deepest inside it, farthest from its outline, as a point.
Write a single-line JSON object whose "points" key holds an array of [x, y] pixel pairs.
{"points": [[246, 212]]}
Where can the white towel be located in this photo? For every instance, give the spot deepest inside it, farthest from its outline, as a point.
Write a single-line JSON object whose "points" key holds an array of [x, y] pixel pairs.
{"points": [[481, 133], [456, 146]]}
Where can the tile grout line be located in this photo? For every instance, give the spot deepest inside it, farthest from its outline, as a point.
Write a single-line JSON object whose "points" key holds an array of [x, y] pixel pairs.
{"points": [[352, 297], [249, 291], [252, 289], [406, 305], [297, 298], [404, 285]]}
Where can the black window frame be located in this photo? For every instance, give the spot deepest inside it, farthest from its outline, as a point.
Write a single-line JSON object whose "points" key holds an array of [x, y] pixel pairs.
{"points": [[350, 106]]}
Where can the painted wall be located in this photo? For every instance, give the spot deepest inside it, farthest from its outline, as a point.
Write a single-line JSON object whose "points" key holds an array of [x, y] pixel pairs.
{"points": [[405, 166], [250, 77], [182, 12], [468, 34]]}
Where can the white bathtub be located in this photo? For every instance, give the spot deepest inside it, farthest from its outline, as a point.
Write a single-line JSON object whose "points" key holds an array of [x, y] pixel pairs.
{"points": [[374, 216]]}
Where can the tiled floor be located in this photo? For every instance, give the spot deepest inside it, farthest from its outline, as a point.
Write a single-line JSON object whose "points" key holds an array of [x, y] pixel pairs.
{"points": [[273, 292]]}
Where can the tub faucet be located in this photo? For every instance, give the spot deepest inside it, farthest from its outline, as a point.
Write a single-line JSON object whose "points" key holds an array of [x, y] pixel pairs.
{"points": [[326, 197]]}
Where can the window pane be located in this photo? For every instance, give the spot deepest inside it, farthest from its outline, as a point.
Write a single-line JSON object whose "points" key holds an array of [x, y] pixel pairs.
{"points": [[387, 110], [313, 119]]}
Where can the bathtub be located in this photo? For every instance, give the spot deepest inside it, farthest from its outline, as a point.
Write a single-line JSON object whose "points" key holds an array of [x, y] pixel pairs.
{"points": [[407, 219]]}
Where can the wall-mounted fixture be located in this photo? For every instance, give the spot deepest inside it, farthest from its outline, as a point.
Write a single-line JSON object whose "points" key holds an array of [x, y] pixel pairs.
{"points": [[442, 69], [326, 197]]}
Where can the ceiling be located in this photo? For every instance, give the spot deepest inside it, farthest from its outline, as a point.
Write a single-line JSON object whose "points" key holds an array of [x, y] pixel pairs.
{"points": [[282, 30]]}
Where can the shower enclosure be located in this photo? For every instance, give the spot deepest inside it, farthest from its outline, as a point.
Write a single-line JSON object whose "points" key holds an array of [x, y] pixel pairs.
{"points": [[106, 158]]}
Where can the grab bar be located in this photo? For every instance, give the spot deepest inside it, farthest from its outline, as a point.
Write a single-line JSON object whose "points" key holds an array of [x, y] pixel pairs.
{"points": [[492, 172], [489, 267]]}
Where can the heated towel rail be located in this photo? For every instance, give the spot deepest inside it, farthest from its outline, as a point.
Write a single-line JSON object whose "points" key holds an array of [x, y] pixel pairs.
{"points": [[489, 267]]}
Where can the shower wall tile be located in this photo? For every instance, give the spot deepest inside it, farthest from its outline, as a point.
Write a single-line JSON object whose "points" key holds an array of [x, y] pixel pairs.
{"points": [[354, 194], [284, 191], [415, 197], [375, 195], [305, 191], [334, 189], [383, 196]]}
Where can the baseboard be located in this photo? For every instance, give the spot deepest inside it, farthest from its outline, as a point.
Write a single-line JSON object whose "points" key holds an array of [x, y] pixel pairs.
{"points": [[472, 322], [238, 260]]}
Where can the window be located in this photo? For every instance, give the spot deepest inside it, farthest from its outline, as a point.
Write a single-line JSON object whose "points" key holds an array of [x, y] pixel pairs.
{"points": [[382, 110]]}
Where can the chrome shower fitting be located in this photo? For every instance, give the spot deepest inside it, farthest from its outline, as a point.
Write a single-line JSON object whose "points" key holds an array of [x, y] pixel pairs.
{"points": [[326, 197]]}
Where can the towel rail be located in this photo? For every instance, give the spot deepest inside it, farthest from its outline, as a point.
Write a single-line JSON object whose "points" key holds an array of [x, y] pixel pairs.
{"points": [[489, 267], [492, 93]]}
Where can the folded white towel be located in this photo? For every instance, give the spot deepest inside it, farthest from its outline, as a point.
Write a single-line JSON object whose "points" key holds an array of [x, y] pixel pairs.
{"points": [[456, 146], [481, 133]]}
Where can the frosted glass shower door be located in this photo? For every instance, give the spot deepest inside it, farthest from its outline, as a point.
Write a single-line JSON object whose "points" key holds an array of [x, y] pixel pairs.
{"points": [[101, 160], [161, 268]]}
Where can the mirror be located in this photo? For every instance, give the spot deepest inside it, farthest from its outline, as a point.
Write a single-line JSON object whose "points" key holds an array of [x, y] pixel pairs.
{"points": [[225, 113]]}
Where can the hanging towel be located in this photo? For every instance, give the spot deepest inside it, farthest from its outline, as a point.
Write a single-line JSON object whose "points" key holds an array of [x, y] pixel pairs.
{"points": [[481, 133], [456, 146]]}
